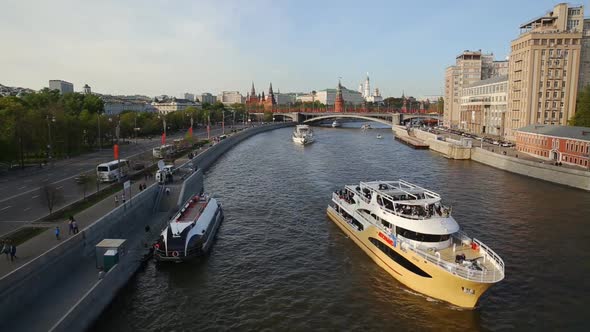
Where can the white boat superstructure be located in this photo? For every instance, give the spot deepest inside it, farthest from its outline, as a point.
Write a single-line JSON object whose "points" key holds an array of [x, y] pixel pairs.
{"points": [[336, 124], [303, 134], [190, 233], [408, 231]]}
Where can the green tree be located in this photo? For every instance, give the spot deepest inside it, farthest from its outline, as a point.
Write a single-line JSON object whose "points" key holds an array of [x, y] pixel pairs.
{"points": [[582, 116], [267, 116], [440, 105]]}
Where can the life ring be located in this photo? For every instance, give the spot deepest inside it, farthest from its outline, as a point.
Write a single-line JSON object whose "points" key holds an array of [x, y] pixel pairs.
{"points": [[175, 254]]}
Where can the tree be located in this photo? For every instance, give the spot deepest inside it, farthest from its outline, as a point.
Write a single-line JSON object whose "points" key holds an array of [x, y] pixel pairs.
{"points": [[440, 105], [84, 181], [582, 116], [50, 195], [267, 116]]}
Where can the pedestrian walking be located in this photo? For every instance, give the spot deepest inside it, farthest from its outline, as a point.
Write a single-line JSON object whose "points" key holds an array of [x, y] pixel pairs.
{"points": [[57, 231], [6, 248], [75, 226], [167, 191], [116, 200], [70, 225], [12, 252], [123, 198]]}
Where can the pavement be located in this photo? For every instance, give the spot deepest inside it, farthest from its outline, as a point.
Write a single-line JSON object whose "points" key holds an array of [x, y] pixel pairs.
{"points": [[20, 199]]}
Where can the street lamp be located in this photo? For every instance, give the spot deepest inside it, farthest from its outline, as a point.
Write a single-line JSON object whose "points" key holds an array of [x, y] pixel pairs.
{"points": [[49, 119], [99, 137]]}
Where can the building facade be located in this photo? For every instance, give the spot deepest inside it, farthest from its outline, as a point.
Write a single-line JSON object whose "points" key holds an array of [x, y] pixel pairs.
{"points": [[166, 106], [567, 144], [328, 97], [61, 86], [87, 90], [470, 67], [230, 97], [189, 96], [584, 79], [208, 98], [116, 107], [544, 70], [483, 106]]}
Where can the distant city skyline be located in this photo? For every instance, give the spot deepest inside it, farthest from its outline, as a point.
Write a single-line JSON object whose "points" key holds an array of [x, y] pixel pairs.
{"points": [[213, 46]]}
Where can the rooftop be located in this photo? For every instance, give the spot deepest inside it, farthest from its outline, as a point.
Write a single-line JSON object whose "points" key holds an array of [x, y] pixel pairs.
{"points": [[581, 133], [497, 79]]}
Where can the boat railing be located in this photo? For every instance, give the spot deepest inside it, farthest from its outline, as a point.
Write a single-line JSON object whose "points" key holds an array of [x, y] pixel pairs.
{"points": [[486, 275]]}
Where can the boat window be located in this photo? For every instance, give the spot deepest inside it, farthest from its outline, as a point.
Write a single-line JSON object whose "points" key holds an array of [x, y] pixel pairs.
{"points": [[421, 236], [401, 260]]}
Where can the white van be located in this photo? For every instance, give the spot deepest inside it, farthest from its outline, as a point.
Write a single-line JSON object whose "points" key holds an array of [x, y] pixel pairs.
{"points": [[161, 174]]}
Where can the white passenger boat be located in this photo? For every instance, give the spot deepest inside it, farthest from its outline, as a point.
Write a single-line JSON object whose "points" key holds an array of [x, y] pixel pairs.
{"points": [[379, 136], [336, 124], [303, 134], [191, 232], [407, 231]]}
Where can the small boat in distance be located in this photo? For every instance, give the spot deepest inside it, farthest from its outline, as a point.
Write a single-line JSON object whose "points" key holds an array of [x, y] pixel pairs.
{"points": [[365, 127], [191, 232], [379, 136], [303, 135], [336, 124], [409, 233]]}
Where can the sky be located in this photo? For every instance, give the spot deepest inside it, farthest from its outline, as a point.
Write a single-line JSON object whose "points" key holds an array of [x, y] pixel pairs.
{"points": [[171, 47]]}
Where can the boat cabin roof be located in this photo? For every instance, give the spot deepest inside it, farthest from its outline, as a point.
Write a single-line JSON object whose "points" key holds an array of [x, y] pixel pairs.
{"points": [[192, 209], [400, 191]]}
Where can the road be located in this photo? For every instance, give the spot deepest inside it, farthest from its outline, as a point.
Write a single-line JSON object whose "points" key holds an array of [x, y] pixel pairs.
{"points": [[20, 198]]}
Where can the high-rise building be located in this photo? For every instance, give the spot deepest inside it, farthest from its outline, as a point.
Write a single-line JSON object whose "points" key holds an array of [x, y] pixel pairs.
{"points": [[585, 56], [62, 86], [470, 67], [208, 98], [544, 69], [189, 96]]}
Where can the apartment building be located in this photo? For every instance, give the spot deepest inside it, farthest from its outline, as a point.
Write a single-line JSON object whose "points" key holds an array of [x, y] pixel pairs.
{"points": [[544, 69]]}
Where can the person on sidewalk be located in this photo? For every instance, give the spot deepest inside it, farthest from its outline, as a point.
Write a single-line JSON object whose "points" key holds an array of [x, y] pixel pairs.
{"points": [[57, 232], [116, 200], [12, 252], [6, 249], [75, 226], [70, 226]]}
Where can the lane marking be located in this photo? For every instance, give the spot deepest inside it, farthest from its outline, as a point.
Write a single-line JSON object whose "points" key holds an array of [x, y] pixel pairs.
{"points": [[35, 196], [60, 187], [8, 207], [23, 187], [27, 209]]}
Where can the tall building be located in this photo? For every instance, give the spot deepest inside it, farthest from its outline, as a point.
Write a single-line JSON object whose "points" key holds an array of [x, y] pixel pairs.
{"points": [[208, 98], [585, 56], [339, 102], [62, 86], [189, 96], [483, 106], [470, 67], [544, 69], [230, 97]]}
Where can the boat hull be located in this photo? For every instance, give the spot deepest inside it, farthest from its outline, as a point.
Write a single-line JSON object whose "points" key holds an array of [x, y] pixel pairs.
{"points": [[302, 140], [440, 284]]}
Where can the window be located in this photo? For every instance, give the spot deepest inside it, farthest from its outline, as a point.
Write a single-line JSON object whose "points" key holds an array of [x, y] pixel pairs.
{"points": [[401, 260], [556, 84]]}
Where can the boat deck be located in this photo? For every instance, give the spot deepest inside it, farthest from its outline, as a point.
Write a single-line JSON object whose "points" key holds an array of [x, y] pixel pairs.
{"points": [[448, 255], [192, 210]]}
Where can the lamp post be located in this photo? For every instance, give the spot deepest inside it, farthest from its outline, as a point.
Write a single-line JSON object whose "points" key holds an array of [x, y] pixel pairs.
{"points": [[50, 119], [99, 137]]}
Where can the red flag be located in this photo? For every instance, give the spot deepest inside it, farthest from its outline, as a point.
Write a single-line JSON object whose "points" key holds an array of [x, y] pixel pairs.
{"points": [[116, 151], [190, 131], [163, 138]]}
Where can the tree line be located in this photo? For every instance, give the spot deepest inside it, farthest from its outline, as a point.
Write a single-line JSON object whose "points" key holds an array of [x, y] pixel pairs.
{"points": [[46, 124]]}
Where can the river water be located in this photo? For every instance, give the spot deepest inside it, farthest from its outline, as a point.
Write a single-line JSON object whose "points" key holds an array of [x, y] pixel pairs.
{"points": [[280, 265]]}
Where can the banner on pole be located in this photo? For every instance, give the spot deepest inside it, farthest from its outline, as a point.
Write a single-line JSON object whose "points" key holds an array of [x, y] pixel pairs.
{"points": [[116, 151]]}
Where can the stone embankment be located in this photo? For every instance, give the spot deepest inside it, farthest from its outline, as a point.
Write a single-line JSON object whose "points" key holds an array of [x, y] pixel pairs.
{"points": [[454, 149]]}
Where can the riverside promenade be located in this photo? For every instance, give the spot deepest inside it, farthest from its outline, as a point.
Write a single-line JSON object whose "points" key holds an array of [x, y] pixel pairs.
{"points": [[55, 286]]}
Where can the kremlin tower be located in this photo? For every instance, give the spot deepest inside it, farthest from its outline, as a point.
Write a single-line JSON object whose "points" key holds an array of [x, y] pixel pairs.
{"points": [[254, 101], [339, 102]]}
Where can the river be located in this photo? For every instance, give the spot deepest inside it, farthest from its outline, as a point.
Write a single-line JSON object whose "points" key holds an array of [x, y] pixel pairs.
{"points": [[280, 265]]}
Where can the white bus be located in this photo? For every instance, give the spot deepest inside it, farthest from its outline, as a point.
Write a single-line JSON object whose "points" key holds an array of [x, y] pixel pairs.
{"points": [[112, 170], [163, 151]]}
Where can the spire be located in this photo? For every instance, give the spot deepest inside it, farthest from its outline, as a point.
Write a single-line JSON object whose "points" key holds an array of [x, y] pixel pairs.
{"points": [[339, 101], [262, 98], [403, 96], [252, 91], [270, 93]]}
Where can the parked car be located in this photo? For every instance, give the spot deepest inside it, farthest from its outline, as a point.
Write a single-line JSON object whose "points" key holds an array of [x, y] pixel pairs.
{"points": [[507, 144], [496, 143]]}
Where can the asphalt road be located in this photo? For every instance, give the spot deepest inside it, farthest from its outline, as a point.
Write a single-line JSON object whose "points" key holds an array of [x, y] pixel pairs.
{"points": [[21, 201]]}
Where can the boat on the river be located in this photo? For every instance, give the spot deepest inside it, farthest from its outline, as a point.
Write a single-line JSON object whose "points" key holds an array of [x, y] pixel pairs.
{"points": [[303, 134], [190, 233], [336, 124], [366, 126], [379, 136], [407, 231]]}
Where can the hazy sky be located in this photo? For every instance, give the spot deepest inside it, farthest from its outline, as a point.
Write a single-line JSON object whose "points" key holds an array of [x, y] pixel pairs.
{"points": [[171, 47]]}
